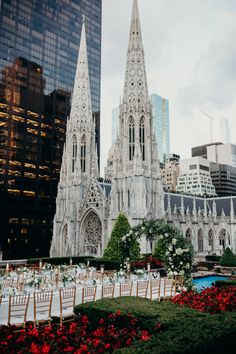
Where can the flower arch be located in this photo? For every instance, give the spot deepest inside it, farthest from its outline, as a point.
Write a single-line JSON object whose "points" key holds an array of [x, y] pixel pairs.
{"points": [[178, 253]]}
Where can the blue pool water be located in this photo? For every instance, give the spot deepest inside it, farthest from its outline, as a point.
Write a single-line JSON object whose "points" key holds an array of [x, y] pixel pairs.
{"points": [[206, 282]]}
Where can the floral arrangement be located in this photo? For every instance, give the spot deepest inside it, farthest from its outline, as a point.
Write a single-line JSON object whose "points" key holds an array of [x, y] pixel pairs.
{"points": [[178, 253], [33, 282], [81, 337], [47, 266], [67, 278], [154, 263], [212, 300]]}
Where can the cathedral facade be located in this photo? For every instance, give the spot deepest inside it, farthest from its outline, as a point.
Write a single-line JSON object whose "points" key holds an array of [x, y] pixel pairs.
{"points": [[87, 206]]}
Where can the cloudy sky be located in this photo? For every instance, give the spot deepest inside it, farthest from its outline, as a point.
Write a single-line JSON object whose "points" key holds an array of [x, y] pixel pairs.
{"points": [[190, 55]]}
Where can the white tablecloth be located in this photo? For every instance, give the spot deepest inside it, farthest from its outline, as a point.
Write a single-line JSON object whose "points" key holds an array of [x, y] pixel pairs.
{"points": [[56, 303]]}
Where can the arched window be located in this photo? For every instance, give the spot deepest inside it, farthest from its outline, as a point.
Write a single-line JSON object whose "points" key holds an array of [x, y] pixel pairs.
{"points": [[200, 240], [189, 235], [131, 139], [142, 137], [74, 152], [223, 238], [83, 154], [118, 199], [64, 239], [211, 240], [128, 199]]}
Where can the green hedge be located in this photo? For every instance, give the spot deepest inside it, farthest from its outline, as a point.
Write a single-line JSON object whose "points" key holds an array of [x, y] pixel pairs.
{"points": [[108, 265], [209, 265], [220, 283], [213, 258], [184, 330], [228, 259], [60, 260], [93, 262]]}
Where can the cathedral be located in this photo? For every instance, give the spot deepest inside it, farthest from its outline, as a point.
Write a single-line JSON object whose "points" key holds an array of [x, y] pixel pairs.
{"points": [[87, 206]]}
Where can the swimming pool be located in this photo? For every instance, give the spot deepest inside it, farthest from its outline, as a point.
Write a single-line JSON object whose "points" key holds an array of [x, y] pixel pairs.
{"points": [[206, 282]]}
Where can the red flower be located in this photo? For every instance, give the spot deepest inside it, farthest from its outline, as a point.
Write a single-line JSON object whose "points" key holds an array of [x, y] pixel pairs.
{"points": [[35, 349], [69, 349], [96, 342], [145, 335], [101, 321], [46, 348]]}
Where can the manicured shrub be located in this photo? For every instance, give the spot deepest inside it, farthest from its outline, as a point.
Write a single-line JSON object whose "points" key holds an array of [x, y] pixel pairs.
{"points": [[228, 259], [116, 250], [60, 260], [220, 283], [183, 330], [160, 250], [213, 258], [108, 265]]}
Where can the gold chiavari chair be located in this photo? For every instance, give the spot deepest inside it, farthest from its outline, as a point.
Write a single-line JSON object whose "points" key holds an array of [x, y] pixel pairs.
{"points": [[142, 288], [6, 283], [126, 288], [89, 293], [169, 288], [108, 291], [17, 310], [155, 289], [67, 303], [179, 282], [42, 307]]}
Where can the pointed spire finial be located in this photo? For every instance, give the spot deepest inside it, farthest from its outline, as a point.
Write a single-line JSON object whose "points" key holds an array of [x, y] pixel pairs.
{"points": [[83, 18]]}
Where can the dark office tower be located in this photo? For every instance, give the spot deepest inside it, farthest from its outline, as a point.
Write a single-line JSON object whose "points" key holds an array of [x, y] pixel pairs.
{"points": [[39, 44]]}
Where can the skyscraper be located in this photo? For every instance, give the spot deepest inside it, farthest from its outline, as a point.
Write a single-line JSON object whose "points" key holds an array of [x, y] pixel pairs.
{"points": [[161, 124], [39, 49]]}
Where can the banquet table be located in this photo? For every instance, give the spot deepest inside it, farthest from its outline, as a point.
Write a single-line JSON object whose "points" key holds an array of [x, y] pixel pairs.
{"points": [[56, 301]]}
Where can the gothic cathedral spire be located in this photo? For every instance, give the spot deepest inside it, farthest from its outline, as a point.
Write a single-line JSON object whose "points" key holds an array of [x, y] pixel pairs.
{"points": [[136, 184], [79, 161]]}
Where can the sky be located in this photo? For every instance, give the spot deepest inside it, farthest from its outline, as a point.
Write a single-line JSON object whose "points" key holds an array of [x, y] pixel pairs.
{"points": [[190, 57]]}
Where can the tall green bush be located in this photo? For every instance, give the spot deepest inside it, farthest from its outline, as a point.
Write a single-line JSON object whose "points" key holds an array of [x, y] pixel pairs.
{"points": [[160, 250], [118, 250], [228, 259]]}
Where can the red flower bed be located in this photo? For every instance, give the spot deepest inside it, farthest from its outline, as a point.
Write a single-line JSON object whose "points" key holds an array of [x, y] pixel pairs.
{"points": [[154, 263], [212, 300], [81, 337]]}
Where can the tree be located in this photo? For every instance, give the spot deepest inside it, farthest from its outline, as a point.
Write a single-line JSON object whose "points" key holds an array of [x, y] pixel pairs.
{"points": [[228, 259], [118, 250], [160, 250]]}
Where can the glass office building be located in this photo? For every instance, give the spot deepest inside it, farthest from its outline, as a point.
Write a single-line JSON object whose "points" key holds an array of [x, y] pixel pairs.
{"points": [[38, 54], [161, 124]]}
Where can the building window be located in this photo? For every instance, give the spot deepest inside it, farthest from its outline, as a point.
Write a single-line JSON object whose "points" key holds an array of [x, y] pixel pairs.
{"points": [[83, 154], [189, 235], [142, 137], [211, 240], [74, 152], [128, 199], [131, 139], [200, 240]]}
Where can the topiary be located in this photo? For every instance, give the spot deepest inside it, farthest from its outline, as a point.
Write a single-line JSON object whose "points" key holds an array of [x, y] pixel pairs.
{"points": [[160, 250], [116, 249], [228, 259]]}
